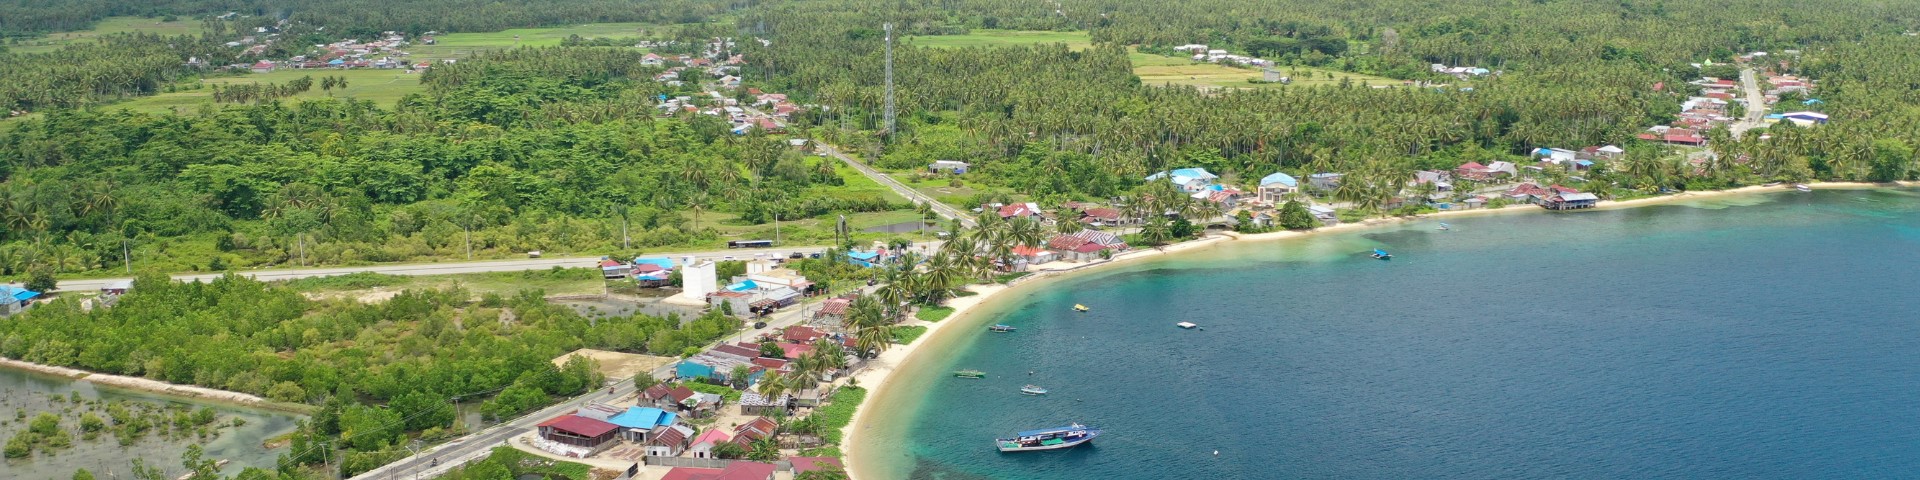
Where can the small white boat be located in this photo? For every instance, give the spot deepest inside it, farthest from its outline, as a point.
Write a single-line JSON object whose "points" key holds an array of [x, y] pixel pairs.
{"points": [[1444, 226], [1033, 390], [1187, 325], [1802, 187]]}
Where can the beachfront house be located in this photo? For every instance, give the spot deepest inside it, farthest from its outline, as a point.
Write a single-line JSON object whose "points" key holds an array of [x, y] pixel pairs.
{"points": [[1188, 179], [1102, 216], [15, 299], [753, 403], [1275, 188], [1085, 246]]}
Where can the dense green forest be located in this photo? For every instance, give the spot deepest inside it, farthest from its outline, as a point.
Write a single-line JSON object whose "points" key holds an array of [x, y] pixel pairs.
{"points": [[522, 160]]}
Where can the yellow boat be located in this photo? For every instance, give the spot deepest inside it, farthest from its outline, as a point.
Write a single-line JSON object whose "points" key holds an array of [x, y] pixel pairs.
{"points": [[1079, 308]]}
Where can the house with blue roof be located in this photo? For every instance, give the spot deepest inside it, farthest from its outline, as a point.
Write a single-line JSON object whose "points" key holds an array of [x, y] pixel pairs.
{"points": [[638, 424], [15, 299], [1275, 188], [864, 259], [1188, 179]]}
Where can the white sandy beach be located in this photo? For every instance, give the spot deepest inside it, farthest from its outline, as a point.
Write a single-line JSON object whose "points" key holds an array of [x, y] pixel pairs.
{"points": [[877, 375]]}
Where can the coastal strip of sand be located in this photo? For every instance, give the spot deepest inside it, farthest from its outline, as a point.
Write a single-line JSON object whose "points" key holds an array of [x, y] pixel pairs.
{"points": [[865, 459], [142, 384]]}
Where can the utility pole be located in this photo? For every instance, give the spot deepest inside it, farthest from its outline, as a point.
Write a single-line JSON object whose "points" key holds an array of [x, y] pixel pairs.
{"points": [[776, 228], [889, 111], [126, 258]]}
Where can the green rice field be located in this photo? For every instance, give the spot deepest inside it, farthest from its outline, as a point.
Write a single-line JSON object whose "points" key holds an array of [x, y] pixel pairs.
{"points": [[108, 26], [384, 87], [457, 45], [1164, 70]]}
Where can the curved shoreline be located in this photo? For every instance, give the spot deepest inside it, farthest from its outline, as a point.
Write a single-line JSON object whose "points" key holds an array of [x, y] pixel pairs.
{"points": [[152, 386], [878, 374]]}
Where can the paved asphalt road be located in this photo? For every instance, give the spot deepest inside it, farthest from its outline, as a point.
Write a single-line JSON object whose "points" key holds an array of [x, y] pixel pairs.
{"points": [[433, 462], [446, 268], [1756, 103], [942, 209]]}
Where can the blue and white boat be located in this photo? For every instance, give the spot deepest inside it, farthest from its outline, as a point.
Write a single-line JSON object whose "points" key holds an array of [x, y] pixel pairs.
{"points": [[1382, 254], [1048, 438]]}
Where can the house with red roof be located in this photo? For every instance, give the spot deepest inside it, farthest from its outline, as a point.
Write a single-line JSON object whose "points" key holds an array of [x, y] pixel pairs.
{"points": [[1085, 246], [577, 431], [815, 464], [758, 428], [1525, 192], [611, 269], [1473, 171], [741, 470], [1101, 216], [1029, 210], [702, 445], [833, 309]]}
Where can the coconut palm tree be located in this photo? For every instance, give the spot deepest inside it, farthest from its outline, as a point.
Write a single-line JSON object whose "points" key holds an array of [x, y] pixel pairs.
{"points": [[872, 328]]}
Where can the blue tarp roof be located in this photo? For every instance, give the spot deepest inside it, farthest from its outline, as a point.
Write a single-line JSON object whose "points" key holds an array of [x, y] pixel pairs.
{"points": [[1776, 116], [663, 262], [642, 417], [1584, 162], [1543, 151], [17, 294], [863, 255], [1811, 101], [742, 286], [1280, 178]]}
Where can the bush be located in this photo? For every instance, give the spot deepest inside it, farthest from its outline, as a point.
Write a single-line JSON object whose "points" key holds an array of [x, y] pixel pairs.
{"points": [[838, 412], [907, 334]]}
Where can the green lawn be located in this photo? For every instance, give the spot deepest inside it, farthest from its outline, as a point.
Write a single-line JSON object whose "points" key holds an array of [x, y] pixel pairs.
{"points": [[996, 38], [1164, 70], [907, 334], [384, 87], [933, 314], [108, 26], [457, 45]]}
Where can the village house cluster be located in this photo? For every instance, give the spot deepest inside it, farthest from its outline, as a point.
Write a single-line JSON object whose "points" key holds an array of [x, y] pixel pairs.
{"points": [[1214, 55]]}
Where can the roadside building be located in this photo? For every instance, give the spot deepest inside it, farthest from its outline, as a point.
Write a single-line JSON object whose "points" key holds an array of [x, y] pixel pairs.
{"points": [[1275, 188]]}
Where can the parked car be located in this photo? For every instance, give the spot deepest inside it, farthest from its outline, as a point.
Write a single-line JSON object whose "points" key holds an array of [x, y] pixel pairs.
{"points": [[759, 324], [798, 255]]}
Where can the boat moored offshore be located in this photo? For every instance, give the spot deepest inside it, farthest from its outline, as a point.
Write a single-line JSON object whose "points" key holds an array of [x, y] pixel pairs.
{"points": [[1033, 390], [1048, 438], [969, 373], [1002, 328]]}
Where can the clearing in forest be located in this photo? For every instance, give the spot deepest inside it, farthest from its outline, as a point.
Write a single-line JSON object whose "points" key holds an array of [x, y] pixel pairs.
{"points": [[460, 45], [617, 365], [1163, 70], [382, 86], [1001, 38], [108, 26]]}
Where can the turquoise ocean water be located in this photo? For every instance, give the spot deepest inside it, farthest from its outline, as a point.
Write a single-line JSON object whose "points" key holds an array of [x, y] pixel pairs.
{"points": [[1760, 336]]}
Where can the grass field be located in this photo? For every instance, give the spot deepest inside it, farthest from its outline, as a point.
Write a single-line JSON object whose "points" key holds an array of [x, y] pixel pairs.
{"points": [[384, 87], [458, 45], [374, 287], [107, 26], [996, 38], [1163, 70]]}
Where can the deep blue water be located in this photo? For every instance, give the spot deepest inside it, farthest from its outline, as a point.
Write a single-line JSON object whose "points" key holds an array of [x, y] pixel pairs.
{"points": [[1768, 336]]}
